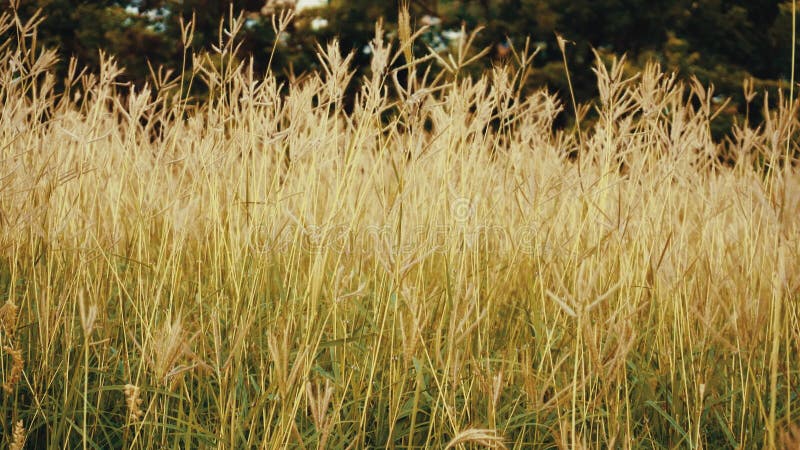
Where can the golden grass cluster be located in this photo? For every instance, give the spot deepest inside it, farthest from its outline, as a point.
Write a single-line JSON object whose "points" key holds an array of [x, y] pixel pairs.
{"points": [[433, 266]]}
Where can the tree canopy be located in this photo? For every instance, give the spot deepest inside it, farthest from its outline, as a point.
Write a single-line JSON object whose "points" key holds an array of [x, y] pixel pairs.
{"points": [[719, 41]]}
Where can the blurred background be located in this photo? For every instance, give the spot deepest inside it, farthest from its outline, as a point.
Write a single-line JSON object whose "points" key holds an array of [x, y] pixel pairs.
{"points": [[722, 42]]}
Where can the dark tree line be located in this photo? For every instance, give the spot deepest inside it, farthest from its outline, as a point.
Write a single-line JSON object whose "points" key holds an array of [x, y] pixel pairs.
{"points": [[719, 41]]}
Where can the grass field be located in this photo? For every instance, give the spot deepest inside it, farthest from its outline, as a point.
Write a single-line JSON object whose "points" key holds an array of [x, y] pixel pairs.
{"points": [[435, 266]]}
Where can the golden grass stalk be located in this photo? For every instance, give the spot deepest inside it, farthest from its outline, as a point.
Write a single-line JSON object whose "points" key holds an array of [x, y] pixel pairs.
{"points": [[404, 32], [8, 319], [133, 402], [483, 437], [17, 365], [18, 436]]}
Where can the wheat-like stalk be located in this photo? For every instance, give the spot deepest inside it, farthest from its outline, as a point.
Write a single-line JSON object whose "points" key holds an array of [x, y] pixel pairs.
{"points": [[133, 401], [483, 437], [17, 365], [18, 436], [404, 32], [8, 318]]}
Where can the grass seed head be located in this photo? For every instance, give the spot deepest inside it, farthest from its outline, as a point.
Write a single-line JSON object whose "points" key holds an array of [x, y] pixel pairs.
{"points": [[133, 401], [483, 437], [404, 32], [16, 369], [18, 436], [8, 318]]}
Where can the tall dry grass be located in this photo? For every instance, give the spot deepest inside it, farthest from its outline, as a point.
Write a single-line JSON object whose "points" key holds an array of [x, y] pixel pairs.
{"points": [[267, 270]]}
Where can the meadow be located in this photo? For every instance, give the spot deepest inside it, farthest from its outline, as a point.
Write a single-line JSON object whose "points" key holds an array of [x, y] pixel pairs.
{"points": [[435, 265]]}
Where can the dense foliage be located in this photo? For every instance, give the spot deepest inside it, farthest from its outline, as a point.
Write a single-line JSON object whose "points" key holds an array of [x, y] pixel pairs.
{"points": [[719, 41]]}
